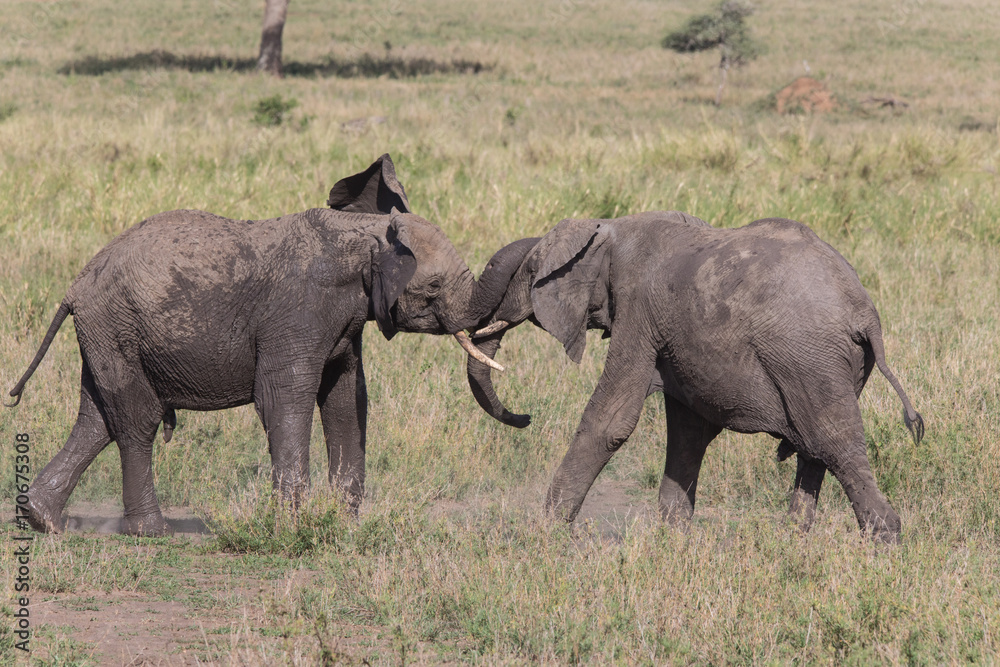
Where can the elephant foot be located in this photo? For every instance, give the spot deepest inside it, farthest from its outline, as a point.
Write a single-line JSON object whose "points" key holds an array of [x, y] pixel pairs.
{"points": [[676, 505], [676, 516], [43, 517], [802, 511], [877, 520], [558, 509], [353, 503], [146, 525], [886, 537], [884, 534], [564, 513]]}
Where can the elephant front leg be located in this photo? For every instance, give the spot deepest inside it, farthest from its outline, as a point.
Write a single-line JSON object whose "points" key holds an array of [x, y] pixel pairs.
{"points": [[608, 421], [688, 435], [343, 406], [286, 411], [808, 481]]}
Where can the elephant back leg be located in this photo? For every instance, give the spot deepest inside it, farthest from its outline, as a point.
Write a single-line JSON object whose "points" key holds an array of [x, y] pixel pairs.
{"points": [[343, 408], [809, 476], [133, 413], [608, 421], [52, 487], [834, 437], [688, 435]]}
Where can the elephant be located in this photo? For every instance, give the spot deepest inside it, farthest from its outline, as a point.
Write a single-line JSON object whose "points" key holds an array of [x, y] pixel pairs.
{"points": [[763, 328], [188, 310]]}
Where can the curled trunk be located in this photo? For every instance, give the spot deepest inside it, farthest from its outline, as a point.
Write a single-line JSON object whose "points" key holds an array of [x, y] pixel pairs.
{"points": [[481, 384], [501, 295], [492, 284]]}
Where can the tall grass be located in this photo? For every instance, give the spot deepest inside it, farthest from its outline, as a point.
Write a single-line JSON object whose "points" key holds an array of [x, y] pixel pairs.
{"points": [[581, 113]]}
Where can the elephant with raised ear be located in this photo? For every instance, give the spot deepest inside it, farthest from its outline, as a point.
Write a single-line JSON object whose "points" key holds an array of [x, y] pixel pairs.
{"points": [[764, 328], [189, 310]]}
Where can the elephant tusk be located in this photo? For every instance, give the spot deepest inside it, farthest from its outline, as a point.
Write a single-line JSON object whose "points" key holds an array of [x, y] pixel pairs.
{"points": [[491, 329], [474, 352]]}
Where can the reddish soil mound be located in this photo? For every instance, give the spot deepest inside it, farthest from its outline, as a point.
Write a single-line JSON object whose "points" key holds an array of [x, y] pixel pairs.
{"points": [[804, 95]]}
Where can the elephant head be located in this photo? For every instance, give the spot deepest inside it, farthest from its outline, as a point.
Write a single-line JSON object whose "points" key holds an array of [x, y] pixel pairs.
{"points": [[419, 283], [560, 283]]}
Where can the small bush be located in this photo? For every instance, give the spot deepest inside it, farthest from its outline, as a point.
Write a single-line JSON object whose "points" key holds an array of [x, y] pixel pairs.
{"points": [[270, 111], [724, 28]]}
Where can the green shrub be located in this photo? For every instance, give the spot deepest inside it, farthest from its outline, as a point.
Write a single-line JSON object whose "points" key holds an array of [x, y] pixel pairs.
{"points": [[270, 111], [270, 526], [724, 28]]}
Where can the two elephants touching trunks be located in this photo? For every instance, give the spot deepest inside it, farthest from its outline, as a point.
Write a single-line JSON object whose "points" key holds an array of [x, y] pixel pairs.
{"points": [[759, 329]]}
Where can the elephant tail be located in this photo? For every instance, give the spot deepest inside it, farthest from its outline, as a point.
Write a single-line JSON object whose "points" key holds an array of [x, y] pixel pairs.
{"points": [[914, 422], [61, 314]]}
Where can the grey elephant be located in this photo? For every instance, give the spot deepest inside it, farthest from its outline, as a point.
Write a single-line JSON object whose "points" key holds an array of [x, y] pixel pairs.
{"points": [[764, 328], [189, 310]]}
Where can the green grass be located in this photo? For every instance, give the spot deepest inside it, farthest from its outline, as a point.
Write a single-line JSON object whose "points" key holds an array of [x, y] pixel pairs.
{"points": [[575, 111]]}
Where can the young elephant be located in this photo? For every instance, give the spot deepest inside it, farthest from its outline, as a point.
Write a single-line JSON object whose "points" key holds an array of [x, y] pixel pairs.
{"points": [[188, 310], [765, 328]]}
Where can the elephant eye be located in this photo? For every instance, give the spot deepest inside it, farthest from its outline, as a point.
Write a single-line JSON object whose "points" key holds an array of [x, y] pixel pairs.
{"points": [[434, 286]]}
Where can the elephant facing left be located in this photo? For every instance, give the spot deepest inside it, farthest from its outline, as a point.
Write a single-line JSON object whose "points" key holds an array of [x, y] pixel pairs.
{"points": [[189, 310]]}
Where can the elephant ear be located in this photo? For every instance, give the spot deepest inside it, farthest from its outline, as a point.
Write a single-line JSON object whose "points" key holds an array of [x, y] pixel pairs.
{"points": [[569, 258], [374, 190], [392, 269]]}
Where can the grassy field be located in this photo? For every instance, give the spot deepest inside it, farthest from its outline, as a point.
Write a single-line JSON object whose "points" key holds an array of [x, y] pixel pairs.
{"points": [[110, 112]]}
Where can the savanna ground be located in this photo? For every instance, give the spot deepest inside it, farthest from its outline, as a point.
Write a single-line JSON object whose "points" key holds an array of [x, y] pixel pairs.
{"points": [[113, 111]]}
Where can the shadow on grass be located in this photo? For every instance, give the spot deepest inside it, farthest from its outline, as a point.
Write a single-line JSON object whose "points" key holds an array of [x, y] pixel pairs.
{"points": [[366, 66]]}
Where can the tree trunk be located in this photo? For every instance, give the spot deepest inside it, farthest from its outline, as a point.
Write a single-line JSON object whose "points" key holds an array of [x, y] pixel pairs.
{"points": [[723, 72], [270, 39]]}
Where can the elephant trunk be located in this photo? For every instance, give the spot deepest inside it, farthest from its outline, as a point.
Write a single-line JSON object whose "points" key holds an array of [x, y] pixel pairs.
{"points": [[475, 353], [492, 284], [495, 300], [481, 384]]}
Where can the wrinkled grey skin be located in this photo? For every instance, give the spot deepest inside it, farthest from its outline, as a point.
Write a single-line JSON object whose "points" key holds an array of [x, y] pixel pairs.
{"points": [[765, 328], [188, 310]]}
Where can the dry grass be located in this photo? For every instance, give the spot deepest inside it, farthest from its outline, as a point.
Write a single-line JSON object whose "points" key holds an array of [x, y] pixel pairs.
{"points": [[581, 113]]}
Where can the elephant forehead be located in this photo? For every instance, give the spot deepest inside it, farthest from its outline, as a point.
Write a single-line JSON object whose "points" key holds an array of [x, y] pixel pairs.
{"points": [[428, 242]]}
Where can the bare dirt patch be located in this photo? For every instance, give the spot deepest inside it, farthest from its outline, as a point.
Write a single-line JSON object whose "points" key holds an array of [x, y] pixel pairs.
{"points": [[125, 628], [196, 614], [613, 505]]}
